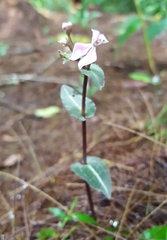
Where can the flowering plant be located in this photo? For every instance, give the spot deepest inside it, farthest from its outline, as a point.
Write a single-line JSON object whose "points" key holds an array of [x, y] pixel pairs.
{"points": [[92, 169]]}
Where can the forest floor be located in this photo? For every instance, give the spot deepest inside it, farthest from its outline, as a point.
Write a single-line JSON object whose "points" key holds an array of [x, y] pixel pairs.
{"points": [[42, 150]]}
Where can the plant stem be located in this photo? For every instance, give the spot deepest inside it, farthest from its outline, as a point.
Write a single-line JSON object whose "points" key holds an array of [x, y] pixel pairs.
{"points": [[71, 45], [84, 144], [145, 38]]}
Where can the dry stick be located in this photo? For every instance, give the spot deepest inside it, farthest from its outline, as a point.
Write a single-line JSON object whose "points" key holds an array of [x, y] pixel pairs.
{"points": [[90, 230], [144, 219], [136, 191], [100, 229], [118, 188], [26, 184], [151, 162], [18, 78], [126, 211], [25, 217], [72, 229], [133, 131], [37, 180], [31, 148], [10, 212], [85, 144]]}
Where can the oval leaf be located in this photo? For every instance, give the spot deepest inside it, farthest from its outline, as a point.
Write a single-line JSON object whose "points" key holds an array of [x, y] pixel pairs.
{"points": [[157, 232], [127, 28], [73, 204], [96, 75], [72, 101], [57, 212], [84, 218], [46, 112], [144, 77], [46, 233], [156, 28], [141, 77], [96, 173]]}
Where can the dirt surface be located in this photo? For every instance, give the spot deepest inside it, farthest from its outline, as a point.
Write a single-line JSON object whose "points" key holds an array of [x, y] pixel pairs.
{"points": [[47, 147]]}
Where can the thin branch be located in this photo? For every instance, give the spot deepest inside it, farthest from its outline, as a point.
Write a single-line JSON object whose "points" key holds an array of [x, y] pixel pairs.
{"points": [[84, 143]]}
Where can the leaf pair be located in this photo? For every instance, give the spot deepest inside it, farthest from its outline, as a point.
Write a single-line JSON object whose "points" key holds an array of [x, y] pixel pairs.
{"points": [[72, 100], [72, 216]]}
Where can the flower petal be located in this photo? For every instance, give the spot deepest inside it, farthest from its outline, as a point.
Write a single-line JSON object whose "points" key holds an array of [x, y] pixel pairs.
{"points": [[98, 38], [79, 50], [102, 39], [89, 58], [94, 35]]}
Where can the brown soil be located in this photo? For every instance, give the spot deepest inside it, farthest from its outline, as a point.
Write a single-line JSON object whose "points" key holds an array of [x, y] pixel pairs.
{"points": [[137, 162]]}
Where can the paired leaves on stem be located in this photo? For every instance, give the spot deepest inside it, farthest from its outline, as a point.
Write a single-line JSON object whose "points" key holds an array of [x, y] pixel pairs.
{"points": [[72, 100]]}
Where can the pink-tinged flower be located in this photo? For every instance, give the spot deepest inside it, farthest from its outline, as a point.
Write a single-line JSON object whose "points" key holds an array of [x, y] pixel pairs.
{"points": [[86, 52]]}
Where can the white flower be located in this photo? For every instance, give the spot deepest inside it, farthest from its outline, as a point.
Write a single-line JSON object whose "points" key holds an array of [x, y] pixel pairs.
{"points": [[86, 52]]}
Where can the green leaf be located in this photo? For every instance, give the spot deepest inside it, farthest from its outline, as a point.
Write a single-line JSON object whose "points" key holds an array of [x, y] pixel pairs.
{"points": [[96, 173], [72, 101], [128, 27], [73, 204], [96, 2], [158, 122], [91, 91], [84, 218], [47, 112], [109, 237], [3, 49], [58, 213], [45, 234], [155, 233], [96, 75], [94, 14], [65, 56], [156, 28], [144, 77]]}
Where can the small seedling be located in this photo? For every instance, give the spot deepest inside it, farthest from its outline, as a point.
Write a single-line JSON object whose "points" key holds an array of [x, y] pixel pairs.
{"points": [[156, 233], [65, 218]]}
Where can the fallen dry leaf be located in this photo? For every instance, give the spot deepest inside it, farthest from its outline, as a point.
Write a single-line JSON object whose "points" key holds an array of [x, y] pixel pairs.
{"points": [[8, 138], [138, 125], [12, 160]]}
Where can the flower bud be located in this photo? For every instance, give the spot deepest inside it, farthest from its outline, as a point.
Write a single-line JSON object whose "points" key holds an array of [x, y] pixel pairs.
{"points": [[65, 56], [64, 42], [67, 27]]}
